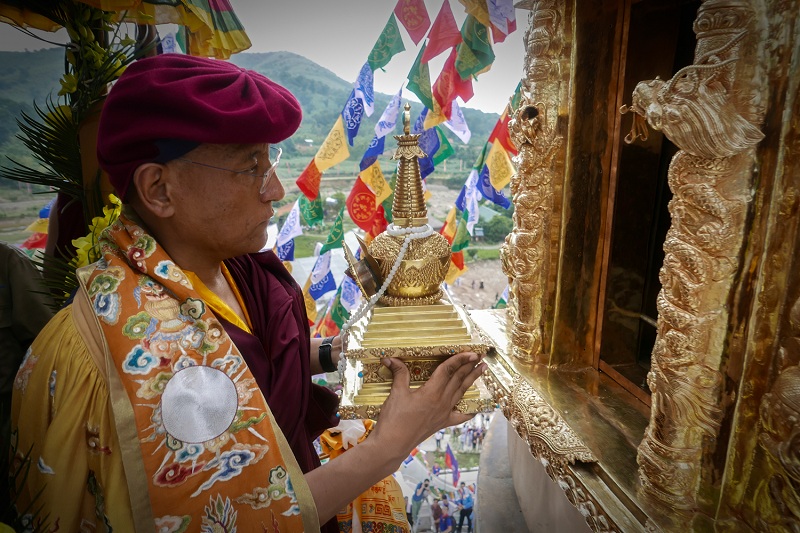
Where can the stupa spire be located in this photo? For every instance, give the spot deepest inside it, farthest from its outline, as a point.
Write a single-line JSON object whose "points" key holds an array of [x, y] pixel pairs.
{"points": [[408, 207]]}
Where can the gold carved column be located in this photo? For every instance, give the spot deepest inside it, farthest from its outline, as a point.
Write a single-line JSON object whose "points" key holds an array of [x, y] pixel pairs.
{"points": [[712, 111], [529, 250]]}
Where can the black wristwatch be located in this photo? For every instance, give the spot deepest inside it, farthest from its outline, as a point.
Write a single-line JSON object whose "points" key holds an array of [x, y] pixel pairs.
{"points": [[325, 360]]}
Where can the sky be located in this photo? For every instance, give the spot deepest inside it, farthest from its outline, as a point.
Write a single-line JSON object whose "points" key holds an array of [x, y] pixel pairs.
{"points": [[339, 34]]}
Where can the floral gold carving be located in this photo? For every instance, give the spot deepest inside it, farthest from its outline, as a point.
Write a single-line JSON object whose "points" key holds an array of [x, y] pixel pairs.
{"points": [[525, 255], [547, 434]]}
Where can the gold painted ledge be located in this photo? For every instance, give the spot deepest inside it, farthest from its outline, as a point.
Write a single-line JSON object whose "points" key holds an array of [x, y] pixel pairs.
{"points": [[580, 425]]}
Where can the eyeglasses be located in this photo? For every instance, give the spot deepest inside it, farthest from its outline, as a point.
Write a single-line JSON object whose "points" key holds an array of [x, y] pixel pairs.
{"points": [[274, 156]]}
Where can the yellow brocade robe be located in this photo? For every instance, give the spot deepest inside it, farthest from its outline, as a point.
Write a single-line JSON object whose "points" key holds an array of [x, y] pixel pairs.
{"points": [[103, 408]]}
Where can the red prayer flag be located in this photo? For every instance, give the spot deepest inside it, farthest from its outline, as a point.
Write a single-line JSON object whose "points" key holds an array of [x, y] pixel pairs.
{"points": [[500, 132], [309, 180], [379, 222], [449, 85], [457, 258], [414, 16], [443, 35], [361, 205]]}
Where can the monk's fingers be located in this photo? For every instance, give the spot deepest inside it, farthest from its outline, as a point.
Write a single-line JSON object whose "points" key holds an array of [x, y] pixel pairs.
{"points": [[466, 382], [457, 372], [457, 417], [401, 379]]}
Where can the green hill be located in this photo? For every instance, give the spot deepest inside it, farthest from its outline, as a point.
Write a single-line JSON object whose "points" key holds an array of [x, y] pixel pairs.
{"points": [[33, 76]]}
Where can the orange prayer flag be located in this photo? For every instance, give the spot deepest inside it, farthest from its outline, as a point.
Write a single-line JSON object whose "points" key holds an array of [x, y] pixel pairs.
{"points": [[309, 180]]}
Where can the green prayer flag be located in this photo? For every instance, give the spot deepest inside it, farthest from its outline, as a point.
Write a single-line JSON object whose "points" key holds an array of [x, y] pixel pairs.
{"points": [[339, 313], [311, 210], [419, 80], [475, 52], [387, 203], [445, 148], [482, 157], [336, 236], [389, 43], [461, 239], [516, 97]]}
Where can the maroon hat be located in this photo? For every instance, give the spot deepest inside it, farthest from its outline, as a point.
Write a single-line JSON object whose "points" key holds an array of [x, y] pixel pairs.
{"points": [[164, 106]]}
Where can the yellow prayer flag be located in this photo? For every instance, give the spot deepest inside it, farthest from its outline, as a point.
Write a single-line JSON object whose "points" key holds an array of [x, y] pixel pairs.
{"points": [[478, 9], [450, 224], [372, 176], [334, 149], [500, 167], [454, 273], [311, 304], [434, 116]]}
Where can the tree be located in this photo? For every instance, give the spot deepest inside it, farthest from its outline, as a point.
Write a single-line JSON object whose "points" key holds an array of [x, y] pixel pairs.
{"points": [[496, 229]]}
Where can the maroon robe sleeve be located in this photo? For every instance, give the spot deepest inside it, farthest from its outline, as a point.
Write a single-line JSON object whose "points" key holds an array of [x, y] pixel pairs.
{"points": [[278, 352]]}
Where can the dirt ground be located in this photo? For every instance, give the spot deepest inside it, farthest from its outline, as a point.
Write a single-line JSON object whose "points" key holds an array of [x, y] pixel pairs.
{"points": [[465, 292]]}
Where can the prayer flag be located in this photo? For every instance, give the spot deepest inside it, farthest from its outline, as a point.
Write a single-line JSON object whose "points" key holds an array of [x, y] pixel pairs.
{"points": [[375, 148], [502, 302], [361, 205], [419, 80], [285, 252], [350, 295], [322, 281], [339, 312], [311, 210], [500, 133], [414, 16], [488, 191], [428, 143], [327, 327], [467, 200], [291, 227], [372, 176], [461, 239], [364, 88], [351, 116], [455, 271], [478, 10], [500, 167], [452, 463], [388, 121], [502, 18], [434, 116], [449, 227], [475, 53], [443, 35], [379, 222], [389, 43], [336, 236], [309, 180], [458, 124], [311, 305], [445, 148], [449, 85], [333, 150]]}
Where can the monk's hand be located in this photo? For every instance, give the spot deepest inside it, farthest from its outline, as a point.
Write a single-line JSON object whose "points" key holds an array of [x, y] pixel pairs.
{"points": [[411, 416]]}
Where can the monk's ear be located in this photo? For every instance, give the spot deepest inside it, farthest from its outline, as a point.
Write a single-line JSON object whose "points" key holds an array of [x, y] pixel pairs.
{"points": [[154, 189]]}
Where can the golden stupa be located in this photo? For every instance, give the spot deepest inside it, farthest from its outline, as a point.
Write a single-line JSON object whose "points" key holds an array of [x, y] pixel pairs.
{"points": [[407, 313]]}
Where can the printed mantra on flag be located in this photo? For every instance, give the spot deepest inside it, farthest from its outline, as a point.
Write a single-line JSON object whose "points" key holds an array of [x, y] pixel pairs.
{"points": [[363, 207]]}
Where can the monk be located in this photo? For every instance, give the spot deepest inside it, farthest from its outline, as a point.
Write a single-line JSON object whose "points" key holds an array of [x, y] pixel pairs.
{"points": [[174, 393]]}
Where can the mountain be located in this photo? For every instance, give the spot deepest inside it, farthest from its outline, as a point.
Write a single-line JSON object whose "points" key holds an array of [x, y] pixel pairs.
{"points": [[33, 76]]}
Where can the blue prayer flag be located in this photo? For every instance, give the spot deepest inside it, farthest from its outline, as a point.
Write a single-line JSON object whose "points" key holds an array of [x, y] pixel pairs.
{"points": [[351, 116]]}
